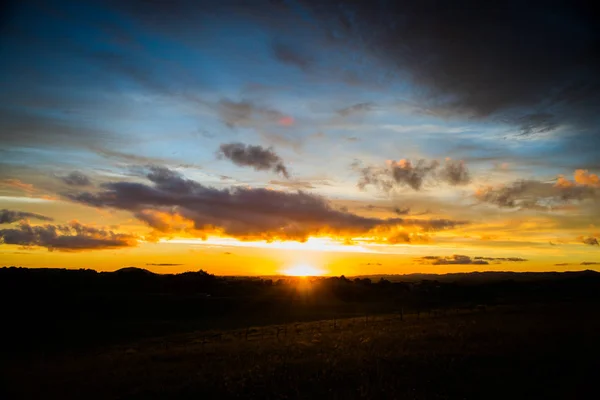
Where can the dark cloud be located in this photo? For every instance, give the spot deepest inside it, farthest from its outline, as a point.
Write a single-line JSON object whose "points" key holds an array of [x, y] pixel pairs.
{"points": [[477, 58], [403, 173], [461, 259], [454, 172], [408, 237], [257, 157], [164, 265], [590, 263], [242, 212], [532, 124], [9, 216], [292, 55], [76, 178], [412, 174], [453, 259], [471, 58], [562, 264], [71, 237], [511, 259], [402, 211], [359, 108], [591, 241]]}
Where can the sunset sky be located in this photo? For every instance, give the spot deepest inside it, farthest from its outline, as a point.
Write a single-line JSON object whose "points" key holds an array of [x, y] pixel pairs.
{"points": [[381, 137]]}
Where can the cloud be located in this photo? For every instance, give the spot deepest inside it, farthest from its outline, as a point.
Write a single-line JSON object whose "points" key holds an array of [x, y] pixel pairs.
{"points": [[562, 264], [76, 178], [533, 124], [247, 114], [17, 184], [163, 265], [257, 157], [241, 212], [462, 56], [301, 185], [467, 61], [591, 241], [453, 259], [292, 56], [71, 237], [412, 174], [136, 159], [536, 194], [402, 211], [454, 173], [297, 185], [9, 216], [359, 108], [585, 178], [511, 259], [408, 237], [590, 263]]}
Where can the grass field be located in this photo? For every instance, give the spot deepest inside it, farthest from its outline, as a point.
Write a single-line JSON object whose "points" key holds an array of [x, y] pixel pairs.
{"points": [[535, 351]]}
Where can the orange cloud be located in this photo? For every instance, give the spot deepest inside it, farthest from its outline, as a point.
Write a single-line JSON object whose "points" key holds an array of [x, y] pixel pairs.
{"points": [[563, 182], [583, 177]]}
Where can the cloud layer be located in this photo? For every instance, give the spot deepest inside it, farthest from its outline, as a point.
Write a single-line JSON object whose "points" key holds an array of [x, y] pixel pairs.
{"points": [[467, 59], [174, 203]]}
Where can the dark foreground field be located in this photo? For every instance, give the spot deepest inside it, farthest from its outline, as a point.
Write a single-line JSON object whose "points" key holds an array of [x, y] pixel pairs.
{"points": [[525, 351]]}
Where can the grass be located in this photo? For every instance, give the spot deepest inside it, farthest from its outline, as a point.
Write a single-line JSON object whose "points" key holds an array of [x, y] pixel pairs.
{"points": [[526, 352]]}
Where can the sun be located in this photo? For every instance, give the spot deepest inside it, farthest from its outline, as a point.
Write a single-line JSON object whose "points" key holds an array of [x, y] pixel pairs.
{"points": [[302, 270]]}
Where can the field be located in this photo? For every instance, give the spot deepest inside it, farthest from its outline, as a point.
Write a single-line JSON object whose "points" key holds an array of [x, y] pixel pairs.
{"points": [[513, 351]]}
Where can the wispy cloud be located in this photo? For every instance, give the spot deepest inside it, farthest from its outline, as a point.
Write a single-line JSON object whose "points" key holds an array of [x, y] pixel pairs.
{"points": [[412, 174], [76, 178]]}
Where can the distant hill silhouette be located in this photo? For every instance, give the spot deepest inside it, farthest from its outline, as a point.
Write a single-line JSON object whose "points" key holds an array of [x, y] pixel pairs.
{"points": [[134, 270], [484, 276]]}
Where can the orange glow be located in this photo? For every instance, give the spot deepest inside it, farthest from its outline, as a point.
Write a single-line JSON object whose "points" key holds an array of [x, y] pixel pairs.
{"points": [[302, 270]]}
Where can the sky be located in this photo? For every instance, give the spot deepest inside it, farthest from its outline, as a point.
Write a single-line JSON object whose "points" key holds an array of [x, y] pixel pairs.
{"points": [[254, 138]]}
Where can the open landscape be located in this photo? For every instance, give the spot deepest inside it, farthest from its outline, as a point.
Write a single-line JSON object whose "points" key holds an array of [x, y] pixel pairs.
{"points": [[117, 335]]}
